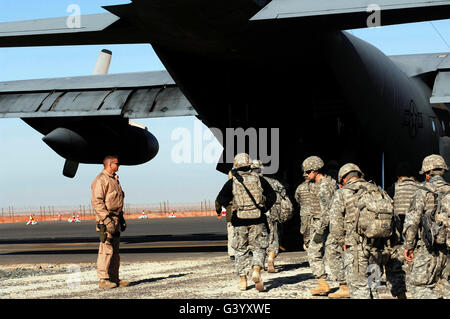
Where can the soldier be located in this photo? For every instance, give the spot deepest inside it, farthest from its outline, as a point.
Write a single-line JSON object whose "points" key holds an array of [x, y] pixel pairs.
{"points": [[247, 192], [402, 192], [107, 201], [303, 196], [359, 250], [426, 250], [274, 216], [320, 241]]}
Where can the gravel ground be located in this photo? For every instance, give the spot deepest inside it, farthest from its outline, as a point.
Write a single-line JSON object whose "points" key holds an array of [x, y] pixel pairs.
{"points": [[192, 278]]}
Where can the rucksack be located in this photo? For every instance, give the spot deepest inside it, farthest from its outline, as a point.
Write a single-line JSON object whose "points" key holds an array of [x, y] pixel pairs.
{"points": [[435, 221], [286, 209], [248, 199], [374, 211], [283, 203]]}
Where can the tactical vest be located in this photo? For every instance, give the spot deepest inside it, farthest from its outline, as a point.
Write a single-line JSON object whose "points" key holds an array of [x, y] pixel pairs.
{"points": [[242, 202], [404, 191], [331, 183], [304, 197]]}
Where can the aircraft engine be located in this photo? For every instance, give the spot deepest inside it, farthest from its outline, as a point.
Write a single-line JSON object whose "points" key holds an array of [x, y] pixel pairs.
{"points": [[133, 143]]}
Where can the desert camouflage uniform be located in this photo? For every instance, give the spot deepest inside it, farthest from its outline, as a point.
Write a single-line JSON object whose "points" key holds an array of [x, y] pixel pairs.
{"points": [[361, 252], [405, 189], [304, 197], [427, 277], [319, 224]]}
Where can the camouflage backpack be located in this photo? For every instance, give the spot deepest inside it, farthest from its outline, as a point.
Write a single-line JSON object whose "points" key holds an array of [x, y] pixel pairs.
{"points": [[374, 211], [248, 199], [283, 205], [435, 221]]}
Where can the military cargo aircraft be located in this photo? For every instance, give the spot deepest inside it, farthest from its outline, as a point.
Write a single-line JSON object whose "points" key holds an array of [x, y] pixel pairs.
{"points": [[283, 64]]}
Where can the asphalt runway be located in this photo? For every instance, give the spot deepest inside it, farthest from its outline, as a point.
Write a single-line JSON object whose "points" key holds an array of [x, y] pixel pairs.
{"points": [[146, 239]]}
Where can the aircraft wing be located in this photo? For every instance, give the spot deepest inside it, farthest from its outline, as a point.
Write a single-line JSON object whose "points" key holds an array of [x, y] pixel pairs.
{"points": [[131, 95], [437, 64], [104, 28], [183, 24], [351, 14]]}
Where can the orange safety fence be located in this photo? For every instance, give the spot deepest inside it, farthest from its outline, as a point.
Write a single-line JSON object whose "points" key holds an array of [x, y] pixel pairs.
{"points": [[38, 218]]}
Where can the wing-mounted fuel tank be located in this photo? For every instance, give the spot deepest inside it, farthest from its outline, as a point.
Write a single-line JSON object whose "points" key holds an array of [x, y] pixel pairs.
{"points": [[385, 101]]}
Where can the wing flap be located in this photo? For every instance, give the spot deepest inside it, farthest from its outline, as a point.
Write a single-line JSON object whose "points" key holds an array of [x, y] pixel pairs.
{"points": [[141, 95]]}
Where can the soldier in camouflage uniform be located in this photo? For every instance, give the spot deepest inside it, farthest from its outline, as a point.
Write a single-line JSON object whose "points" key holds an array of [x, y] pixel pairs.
{"points": [[251, 197], [359, 252], [320, 242], [303, 196], [427, 278], [402, 192], [272, 217]]}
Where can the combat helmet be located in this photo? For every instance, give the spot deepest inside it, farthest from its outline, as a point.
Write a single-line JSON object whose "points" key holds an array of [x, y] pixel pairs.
{"points": [[241, 160], [313, 163], [432, 162], [347, 168], [256, 164]]}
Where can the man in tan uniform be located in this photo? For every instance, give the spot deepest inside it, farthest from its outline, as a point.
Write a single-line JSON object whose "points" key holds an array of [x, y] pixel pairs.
{"points": [[107, 201]]}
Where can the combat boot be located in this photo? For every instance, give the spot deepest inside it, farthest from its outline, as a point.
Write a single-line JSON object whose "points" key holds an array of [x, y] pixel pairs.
{"points": [[106, 284], [270, 262], [342, 292], [243, 283], [256, 277], [322, 288], [122, 283]]}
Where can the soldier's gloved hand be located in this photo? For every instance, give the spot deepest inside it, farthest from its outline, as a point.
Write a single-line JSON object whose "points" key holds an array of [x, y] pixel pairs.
{"points": [[122, 223], [102, 232], [219, 211], [318, 238]]}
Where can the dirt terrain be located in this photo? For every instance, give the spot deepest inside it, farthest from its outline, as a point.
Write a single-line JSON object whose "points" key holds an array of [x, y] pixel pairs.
{"points": [[189, 278]]}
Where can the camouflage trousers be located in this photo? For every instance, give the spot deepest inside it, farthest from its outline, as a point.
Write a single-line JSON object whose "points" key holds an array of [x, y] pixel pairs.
{"points": [[428, 278], [317, 252], [252, 239], [274, 238], [363, 277], [230, 231], [325, 257], [305, 229]]}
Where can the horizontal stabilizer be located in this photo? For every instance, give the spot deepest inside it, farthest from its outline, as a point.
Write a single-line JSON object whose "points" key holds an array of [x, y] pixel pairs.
{"points": [[349, 14]]}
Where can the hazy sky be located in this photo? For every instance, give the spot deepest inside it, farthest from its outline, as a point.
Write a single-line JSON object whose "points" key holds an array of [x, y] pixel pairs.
{"points": [[31, 173]]}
